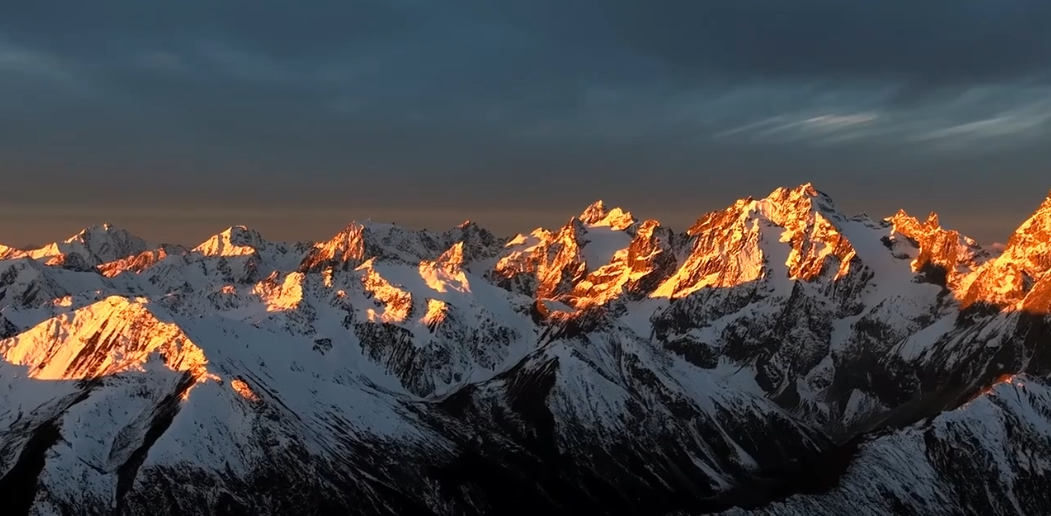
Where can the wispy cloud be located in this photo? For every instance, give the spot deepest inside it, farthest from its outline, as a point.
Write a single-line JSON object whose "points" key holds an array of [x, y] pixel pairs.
{"points": [[774, 121], [1020, 122], [242, 65], [163, 62], [20, 62], [973, 121], [792, 128], [840, 121], [989, 127]]}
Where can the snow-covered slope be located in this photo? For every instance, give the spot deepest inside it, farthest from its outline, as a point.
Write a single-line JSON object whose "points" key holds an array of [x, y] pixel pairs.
{"points": [[90, 247], [771, 358], [989, 456]]}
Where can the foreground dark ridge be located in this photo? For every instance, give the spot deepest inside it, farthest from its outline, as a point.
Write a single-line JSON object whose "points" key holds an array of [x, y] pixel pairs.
{"points": [[779, 357]]}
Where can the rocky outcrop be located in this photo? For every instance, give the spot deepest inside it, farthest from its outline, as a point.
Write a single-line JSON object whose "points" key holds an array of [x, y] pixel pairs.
{"points": [[1025, 259], [945, 257]]}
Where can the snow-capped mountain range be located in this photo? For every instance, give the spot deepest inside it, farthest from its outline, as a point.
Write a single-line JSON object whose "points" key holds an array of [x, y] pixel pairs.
{"points": [[778, 357]]}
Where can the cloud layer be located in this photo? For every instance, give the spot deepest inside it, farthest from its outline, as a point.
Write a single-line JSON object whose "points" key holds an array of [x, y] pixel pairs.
{"points": [[449, 102]]}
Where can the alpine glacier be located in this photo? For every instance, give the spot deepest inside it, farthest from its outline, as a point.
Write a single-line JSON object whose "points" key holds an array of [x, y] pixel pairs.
{"points": [[779, 357]]}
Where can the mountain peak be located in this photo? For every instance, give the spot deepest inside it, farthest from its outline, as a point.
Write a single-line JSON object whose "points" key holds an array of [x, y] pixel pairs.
{"points": [[908, 225], [1037, 226], [598, 215], [1025, 259], [595, 212], [104, 227], [96, 229], [361, 241], [94, 245], [234, 240], [242, 235], [904, 223], [111, 335], [808, 188], [476, 241], [805, 190], [787, 206], [346, 250], [452, 258]]}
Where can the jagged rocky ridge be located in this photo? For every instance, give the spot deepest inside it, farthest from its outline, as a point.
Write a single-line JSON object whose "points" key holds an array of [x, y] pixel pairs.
{"points": [[778, 357]]}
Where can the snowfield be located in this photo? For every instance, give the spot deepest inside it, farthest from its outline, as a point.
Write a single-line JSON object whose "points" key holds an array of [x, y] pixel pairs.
{"points": [[779, 357]]}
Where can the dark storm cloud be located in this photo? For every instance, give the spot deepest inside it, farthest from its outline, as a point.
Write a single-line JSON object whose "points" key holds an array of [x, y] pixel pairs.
{"points": [[934, 42], [522, 68], [465, 101], [928, 43], [413, 58], [229, 67], [275, 27]]}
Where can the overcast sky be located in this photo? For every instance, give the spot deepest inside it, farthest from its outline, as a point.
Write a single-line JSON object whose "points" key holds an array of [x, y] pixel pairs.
{"points": [[178, 118]]}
